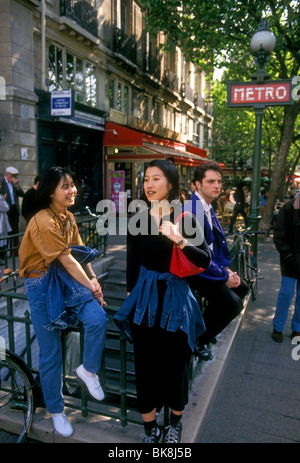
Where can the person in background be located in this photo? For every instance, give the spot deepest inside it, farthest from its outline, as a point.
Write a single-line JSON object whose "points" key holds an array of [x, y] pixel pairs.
{"points": [[29, 203], [239, 207], [11, 187], [287, 242], [222, 288]]}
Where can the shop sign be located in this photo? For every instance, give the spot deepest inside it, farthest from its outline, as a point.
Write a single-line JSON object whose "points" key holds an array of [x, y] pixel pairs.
{"points": [[270, 93], [117, 189], [61, 103]]}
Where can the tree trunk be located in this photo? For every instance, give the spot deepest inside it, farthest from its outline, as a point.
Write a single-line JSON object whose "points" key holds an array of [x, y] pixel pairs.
{"points": [[279, 172]]}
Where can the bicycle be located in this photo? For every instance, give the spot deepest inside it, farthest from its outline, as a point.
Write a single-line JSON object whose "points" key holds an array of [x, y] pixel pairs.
{"points": [[18, 389], [247, 267], [91, 235]]}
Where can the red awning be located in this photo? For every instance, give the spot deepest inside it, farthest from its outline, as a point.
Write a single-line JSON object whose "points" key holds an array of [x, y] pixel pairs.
{"points": [[183, 154]]}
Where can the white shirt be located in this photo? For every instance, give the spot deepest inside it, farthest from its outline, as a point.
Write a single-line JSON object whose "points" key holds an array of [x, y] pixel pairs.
{"points": [[207, 211]]}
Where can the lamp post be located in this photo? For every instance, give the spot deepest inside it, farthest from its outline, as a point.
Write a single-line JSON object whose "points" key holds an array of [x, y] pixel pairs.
{"points": [[262, 44]]}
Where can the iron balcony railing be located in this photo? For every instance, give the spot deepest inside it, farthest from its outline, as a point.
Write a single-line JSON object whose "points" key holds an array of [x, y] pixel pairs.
{"points": [[82, 13], [171, 80], [152, 66], [125, 45]]}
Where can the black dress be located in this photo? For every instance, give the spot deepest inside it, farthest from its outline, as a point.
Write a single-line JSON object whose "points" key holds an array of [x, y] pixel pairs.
{"points": [[161, 357]]}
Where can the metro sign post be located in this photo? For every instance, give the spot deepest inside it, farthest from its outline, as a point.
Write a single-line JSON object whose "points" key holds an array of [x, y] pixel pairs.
{"points": [[258, 95], [270, 93]]}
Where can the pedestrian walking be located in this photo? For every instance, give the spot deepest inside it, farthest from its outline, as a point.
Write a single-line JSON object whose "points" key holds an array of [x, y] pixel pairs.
{"points": [[55, 278], [239, 207], [287, 242], [222, 288], [11, 187], [29, 204], [161, 315]]}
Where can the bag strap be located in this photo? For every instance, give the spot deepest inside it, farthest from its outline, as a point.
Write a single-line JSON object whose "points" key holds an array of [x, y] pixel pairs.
{"points": [[180, 216]]}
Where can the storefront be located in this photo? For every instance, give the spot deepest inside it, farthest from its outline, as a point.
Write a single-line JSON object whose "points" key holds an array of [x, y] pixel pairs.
{"points": [[128, 151], [74, 142]]}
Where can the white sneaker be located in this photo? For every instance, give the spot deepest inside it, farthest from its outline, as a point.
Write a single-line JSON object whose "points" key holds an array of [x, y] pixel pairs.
{"points": [[92, 384], [62, 424]]}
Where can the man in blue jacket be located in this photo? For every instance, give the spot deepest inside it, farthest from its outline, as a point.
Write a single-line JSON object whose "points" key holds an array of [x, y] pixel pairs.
{"points": [[222, 288]]}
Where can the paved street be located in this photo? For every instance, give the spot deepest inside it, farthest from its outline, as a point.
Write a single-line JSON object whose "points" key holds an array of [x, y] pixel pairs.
{"points": [[258, 398]]}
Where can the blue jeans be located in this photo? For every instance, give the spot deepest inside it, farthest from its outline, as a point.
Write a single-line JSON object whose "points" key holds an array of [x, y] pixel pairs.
{"points": [[285, 296], [94, 322]]}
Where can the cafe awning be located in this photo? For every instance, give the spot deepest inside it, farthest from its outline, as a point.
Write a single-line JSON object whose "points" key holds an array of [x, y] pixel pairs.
{"points": [[132, 144]]}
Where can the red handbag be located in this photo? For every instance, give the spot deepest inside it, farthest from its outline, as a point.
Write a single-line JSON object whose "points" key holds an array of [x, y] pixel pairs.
{"points": [[180, 264]]}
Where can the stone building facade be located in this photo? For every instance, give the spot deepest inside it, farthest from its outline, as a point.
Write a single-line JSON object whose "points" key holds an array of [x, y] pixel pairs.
{"points": [[130, 102]]}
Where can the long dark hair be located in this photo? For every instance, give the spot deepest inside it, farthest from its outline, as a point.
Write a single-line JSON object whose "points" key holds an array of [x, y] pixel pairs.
{"points": [[171, 173], [48, 183]]}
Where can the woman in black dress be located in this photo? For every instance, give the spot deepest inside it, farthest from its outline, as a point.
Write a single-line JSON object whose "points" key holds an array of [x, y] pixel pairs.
{"points": [[160, 314]]}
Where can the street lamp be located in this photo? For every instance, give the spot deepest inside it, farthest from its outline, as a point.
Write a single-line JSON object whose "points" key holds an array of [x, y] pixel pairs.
{"points": [[262, 44]]}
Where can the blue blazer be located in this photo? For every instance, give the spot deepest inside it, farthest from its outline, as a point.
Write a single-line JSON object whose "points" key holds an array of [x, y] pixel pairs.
{"points": [[220, 256]]}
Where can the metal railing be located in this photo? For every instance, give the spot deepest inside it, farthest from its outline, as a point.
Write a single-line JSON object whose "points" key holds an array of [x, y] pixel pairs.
{"points": [[82, 13], [117, 373]]}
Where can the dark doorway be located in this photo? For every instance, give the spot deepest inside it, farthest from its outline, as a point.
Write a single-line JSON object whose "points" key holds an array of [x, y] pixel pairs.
{"points": [[80, 150]]}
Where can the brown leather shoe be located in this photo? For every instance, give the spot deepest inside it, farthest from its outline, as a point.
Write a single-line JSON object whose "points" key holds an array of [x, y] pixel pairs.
{"points": [[277, 336]]}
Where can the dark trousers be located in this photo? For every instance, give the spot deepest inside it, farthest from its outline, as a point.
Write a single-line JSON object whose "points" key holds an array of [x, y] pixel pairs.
{"points": [[161, 365], [224, 304], [238, 209]]}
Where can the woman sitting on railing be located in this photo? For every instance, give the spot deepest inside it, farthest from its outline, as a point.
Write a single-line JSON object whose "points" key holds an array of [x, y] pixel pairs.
{"points": [[48, 239]]}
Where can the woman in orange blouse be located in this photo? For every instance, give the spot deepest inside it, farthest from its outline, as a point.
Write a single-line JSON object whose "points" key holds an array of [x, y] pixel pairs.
{"points": [[49, 235]]}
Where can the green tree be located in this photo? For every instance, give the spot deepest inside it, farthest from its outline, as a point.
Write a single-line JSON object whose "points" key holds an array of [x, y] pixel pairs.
{"points": [[217, 34]]}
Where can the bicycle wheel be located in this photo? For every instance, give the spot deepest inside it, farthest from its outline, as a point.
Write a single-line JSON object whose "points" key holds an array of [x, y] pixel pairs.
{"points": [[16, 393]]}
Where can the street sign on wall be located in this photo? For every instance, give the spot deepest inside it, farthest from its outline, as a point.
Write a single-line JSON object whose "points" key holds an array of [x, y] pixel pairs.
{"points": [[270, 93], [62, 103]]}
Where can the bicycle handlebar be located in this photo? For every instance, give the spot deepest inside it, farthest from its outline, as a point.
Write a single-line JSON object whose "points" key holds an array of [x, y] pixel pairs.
{"points": [[7, 273], [246, 233]]}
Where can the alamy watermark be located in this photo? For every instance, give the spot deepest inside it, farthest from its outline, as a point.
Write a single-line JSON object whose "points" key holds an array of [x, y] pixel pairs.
{"points": [[2, 348], [296, 89], [2, 88], [138, 223], [296, 349]]}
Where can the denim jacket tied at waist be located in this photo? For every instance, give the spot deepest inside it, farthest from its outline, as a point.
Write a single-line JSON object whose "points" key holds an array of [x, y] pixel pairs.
{"points": [[180, 308], [63, 291]]}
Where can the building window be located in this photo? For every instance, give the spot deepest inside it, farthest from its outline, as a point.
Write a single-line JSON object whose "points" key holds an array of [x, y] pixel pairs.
{"points": [[68, 71], [196, 133], [55, 68], [111, 93], [119, 95], [91, 84]]}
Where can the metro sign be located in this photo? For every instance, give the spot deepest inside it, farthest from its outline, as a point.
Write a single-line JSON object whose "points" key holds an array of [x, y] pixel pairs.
{"points": [[270, 93]]}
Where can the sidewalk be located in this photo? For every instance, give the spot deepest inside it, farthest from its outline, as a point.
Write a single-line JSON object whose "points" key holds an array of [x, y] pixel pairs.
{"points": [[257, 399]]}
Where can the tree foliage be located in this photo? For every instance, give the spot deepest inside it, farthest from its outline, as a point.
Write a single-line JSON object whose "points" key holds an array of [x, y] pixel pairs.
{"points": [[217, 34]]}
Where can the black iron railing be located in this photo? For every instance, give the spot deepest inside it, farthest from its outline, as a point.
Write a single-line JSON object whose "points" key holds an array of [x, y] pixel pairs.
{"points": [[82, 13], [125, 45]]}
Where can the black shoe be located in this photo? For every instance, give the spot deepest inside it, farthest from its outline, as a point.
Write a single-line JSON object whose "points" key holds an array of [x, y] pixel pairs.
{"points": [[173, 434], [296, 334], [203, 353], [155, 436], [277, 336]]}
